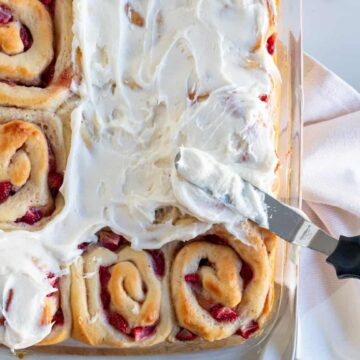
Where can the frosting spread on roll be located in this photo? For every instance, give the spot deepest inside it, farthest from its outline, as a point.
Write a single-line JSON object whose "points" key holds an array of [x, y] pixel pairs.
{"points": [[24, 286], [176, 74], [167, 74], [214, 193]]}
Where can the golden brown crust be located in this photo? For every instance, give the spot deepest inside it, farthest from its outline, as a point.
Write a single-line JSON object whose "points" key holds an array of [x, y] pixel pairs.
{"points": [[130, 271], [222, 282], [52, 40], [24, 152]]}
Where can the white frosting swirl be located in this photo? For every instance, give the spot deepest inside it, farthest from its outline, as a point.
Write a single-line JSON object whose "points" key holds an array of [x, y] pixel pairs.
{"points": [[214, 193], [24, 284]]}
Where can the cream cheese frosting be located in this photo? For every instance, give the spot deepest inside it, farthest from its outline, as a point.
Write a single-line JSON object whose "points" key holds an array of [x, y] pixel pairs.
{"points": [[213, 193], [188, 75], [24, 285]]}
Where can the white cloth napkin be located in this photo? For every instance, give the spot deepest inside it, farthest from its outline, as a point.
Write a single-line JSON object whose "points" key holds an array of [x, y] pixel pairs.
{"points": [[329, 309]]}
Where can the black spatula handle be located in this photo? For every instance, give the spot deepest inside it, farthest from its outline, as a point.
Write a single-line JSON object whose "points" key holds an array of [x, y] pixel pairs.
{"points": [[346, 257]]}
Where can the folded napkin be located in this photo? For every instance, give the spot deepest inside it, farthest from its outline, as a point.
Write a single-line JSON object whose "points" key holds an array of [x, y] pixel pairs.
{"points": [[329, 309]]}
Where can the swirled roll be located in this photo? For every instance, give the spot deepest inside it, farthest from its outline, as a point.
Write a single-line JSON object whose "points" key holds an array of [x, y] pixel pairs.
{"points": [[32, 312], [35, 53], [34, 294], [120, 295], [223, 286], [32, 161]]}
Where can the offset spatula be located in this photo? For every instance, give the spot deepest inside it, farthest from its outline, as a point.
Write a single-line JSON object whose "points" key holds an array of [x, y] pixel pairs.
{"points": [[215, 183], [343, 254]]}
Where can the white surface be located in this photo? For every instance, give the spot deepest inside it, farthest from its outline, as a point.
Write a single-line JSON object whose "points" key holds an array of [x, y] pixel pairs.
{"points": [[329, 314], [332, 36]]}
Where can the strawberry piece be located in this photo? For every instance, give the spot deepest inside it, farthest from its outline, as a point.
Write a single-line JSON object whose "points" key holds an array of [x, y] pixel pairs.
{"points": [[143, 332], [246, 274], [249, 329], [110, 240], [5, 15], [31, 217], [158, 262], [2, 321], [83, 246], [192, 278], [26, 37], [55, 283], [185, 335], [47, 2], [58, 318], [118, 322], [104, 275], [6, 189], [9, 299], [55, 180], [50, 275], [271, 44], [264, 98], [47, 76], [223, 314], [105, 299]]}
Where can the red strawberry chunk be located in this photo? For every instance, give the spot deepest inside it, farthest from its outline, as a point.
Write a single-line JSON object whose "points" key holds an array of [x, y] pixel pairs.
{"points": [[185, 335], [271, 44], [31, 217], [223, 314], [47, 76], [50, 275], [5, 15], [55, 284], [2, 321], [58, 318], [118, 322], [26, 37], [104, 275], [246, 274], [158, 262], [143, 332], [264, 98], [9, 299], [249, 329], [192, 278], [46, 2], [6, 189], [110, 240], [105, 299], [83, 245], [55, 181]]}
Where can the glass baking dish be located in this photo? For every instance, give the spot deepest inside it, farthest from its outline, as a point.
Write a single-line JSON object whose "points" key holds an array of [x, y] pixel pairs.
{"points": [[278, 340]]}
